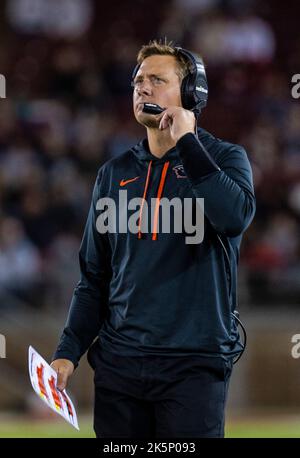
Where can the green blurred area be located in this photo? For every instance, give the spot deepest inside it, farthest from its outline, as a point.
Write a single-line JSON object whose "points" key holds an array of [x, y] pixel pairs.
{"points": [[264, 430], [57, 428], [46, 429]]}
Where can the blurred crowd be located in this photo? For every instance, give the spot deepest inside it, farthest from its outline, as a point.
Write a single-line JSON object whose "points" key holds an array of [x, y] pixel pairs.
{"points": [[68, 109]]}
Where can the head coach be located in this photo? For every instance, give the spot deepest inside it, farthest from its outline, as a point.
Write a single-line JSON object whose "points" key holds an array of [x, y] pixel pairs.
{"points": [[155, 313]]}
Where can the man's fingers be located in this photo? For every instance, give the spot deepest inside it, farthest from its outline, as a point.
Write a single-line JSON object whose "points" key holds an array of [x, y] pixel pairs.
{"points": [[64, 368], [62, 378], [161, 122], [165, 121]]}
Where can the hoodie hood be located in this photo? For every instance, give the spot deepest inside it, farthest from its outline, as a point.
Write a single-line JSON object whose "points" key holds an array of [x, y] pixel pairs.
{"points": [[143, 154]]}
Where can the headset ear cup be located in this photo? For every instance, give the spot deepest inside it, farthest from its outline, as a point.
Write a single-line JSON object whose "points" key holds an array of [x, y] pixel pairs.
{"points": [[194, 90], [187, 92]]}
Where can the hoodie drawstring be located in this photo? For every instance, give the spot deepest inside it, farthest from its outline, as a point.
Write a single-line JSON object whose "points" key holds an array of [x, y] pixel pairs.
{"points": [[144, 198], [159, 193], [158, 197]]}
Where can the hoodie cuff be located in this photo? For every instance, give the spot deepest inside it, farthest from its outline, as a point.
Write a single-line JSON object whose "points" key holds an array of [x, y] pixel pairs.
{"points": [[195, 159], [59, 354]]}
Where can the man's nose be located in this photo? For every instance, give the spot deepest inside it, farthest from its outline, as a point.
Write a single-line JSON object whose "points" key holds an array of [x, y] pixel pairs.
{"points": [[144, 88]]}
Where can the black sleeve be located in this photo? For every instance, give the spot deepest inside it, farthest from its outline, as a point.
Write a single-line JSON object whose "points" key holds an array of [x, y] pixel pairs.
{"points": [[226, 187]]}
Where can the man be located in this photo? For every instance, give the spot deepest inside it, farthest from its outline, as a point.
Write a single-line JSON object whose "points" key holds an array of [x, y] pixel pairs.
{"points": [[162, 308]]}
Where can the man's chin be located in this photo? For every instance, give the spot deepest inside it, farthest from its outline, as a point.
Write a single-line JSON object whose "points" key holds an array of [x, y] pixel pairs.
{"points": [[147, 120]]}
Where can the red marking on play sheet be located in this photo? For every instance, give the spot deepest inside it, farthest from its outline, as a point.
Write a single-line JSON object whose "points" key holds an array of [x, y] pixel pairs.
{"points": [[55, 394], [40, 375], [69, 407]]}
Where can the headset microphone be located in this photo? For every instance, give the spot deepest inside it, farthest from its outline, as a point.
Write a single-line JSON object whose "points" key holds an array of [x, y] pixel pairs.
{"points": [[152, 108]]}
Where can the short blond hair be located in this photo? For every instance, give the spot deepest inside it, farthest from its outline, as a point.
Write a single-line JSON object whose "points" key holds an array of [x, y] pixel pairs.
{"points": [[163, 47]]}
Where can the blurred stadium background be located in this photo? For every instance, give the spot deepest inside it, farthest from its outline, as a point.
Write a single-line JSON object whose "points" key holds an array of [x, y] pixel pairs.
{"points": [[68, 109]]}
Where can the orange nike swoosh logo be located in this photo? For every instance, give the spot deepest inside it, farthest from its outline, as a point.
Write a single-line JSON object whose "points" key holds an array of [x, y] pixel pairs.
{"points": [[124, 182]]}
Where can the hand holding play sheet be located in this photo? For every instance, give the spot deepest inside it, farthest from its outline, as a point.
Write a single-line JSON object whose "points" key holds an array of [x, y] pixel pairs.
{"points": [[43, 379]]}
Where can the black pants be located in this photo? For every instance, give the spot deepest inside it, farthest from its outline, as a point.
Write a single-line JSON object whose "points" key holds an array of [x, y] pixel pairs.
{"points": [[158, 396]]}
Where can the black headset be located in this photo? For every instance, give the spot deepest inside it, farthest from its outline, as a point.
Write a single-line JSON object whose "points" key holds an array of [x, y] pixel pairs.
{"points": [[194, 88]]}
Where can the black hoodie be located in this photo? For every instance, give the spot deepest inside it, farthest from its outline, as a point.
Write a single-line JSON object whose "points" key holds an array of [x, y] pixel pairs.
{"points": [[153, 293]]}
